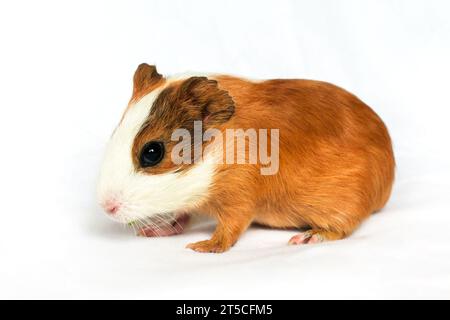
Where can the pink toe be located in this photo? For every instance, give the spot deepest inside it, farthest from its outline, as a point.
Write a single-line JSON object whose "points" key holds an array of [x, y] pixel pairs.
{"points": [[298, 239], [149, 232], [314, 239]]}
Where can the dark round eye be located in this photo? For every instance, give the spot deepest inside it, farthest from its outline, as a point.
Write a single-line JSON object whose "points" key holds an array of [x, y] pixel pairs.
{"points": [[151, 154]]}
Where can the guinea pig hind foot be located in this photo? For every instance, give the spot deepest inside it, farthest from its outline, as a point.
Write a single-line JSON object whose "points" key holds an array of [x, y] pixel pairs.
{"points": [[314, 236]]}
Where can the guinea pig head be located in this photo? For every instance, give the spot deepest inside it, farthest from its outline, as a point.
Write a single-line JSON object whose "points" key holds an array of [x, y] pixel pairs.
{"points": [[139, 178]]}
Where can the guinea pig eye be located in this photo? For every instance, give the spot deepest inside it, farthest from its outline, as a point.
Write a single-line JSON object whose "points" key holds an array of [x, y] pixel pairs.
{"points": [[151, 154]]}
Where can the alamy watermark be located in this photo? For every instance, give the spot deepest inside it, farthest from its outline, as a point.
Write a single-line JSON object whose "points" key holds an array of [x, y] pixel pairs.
{"points": [[234, 146]]}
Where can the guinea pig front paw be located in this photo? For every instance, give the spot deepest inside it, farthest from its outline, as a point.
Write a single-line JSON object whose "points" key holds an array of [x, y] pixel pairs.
{"points": [[165, 229], [213, 245], [307, 237]]}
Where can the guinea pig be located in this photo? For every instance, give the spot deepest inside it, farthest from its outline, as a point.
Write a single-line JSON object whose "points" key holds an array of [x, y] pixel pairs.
{"points": [[332, 159]]}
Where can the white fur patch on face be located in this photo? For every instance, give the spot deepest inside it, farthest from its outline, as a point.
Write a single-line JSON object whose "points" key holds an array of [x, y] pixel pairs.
{"points": [[140, 195]]}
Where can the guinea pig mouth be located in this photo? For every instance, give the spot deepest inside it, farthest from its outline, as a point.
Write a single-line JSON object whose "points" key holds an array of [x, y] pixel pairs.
{"points": [[160, 225]]}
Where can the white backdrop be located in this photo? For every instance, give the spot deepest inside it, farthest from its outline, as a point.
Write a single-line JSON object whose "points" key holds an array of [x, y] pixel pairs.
{"points": [[65, 77]]}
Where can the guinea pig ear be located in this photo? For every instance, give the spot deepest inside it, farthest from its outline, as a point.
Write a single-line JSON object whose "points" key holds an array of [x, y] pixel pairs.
{"points": [[215, 105], [146, 77]]}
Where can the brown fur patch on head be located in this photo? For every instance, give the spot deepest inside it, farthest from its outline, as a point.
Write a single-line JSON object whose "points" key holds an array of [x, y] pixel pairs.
{"points": [[177, 107]]}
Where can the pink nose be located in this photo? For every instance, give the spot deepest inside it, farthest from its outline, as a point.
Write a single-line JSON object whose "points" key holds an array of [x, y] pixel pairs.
{"points": [[111, 206]]}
